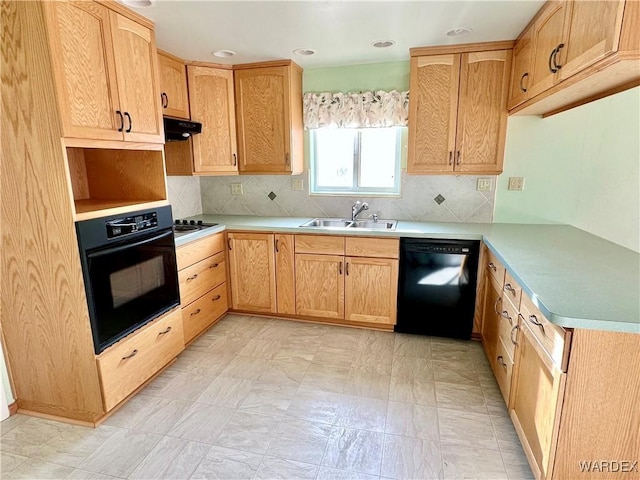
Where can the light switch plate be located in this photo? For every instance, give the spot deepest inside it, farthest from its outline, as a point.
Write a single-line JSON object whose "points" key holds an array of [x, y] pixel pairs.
{"points": [[236, 189], [516, 183], [297, 184], [484, 185]]}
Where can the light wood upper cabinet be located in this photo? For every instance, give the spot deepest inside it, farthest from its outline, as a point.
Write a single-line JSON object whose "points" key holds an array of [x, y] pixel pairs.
{"points": [[433, 112], [137, 73], [212, 104], [285, 273], [85, 71], [173, 86], [592, 31], [536, 399], [547, 33], [458, 121], [521, 69], [106, 73], [320, 285], [371, 286], [482, 111], [269, 118], [252, 270]]}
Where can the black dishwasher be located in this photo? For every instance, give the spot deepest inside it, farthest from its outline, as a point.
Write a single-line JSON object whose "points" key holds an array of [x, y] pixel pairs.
{"points": [[437, 287]]}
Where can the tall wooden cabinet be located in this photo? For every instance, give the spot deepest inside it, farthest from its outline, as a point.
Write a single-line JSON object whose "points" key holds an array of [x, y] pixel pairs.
{"points": [[174, 93], [269, 117], [457, 118], [65, 160], [106, 73]]}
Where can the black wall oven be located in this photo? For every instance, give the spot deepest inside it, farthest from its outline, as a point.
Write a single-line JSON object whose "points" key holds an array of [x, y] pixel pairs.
{"points": [[129, 268]]}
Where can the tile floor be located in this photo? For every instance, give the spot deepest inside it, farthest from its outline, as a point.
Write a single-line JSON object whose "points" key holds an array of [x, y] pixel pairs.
{"points": [[258, 398]]}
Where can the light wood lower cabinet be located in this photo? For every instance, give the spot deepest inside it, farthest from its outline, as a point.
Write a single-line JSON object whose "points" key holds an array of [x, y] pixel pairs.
{"points": [[136, 358], [536, 400], [491, 318], [202, 276], [361, 288], [252, 268]]}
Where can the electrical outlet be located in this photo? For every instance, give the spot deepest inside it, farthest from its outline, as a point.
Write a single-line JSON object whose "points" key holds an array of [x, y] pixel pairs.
{"points": [[297, 184], [484, 185], [236, 189], [516, 183]]}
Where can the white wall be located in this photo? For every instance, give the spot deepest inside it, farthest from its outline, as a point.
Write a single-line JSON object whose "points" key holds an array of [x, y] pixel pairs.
{"points": [[581, 167]]}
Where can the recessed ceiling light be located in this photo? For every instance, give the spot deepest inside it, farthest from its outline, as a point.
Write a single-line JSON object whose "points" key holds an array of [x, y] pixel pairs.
{"points": [[383, 43], [138, 3], [305, 52], [223, 53], [459, 32]]}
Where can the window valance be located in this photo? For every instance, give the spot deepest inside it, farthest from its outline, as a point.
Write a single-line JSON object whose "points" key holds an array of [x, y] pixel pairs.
{"points": [[356, 109]]}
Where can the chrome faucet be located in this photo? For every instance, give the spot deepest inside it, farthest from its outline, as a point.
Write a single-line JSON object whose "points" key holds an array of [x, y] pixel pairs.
{"points": [[358, 208]]}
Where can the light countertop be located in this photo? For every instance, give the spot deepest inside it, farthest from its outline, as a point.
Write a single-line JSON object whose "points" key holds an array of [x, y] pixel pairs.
{"points": [[576, 279]]}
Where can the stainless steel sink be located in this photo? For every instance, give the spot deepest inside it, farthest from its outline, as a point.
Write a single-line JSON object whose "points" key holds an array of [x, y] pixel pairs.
{"points": [[345, 223], [328, 223], [373, 225]]}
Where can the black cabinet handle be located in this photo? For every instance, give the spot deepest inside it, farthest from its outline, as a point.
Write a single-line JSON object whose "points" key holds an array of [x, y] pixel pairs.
{"points": [[551, 68], [277, 249], [555, 56], [458, 157], [340, 268], [195, 313], [214, 265], [450, 158], [229, 243], [165, 331], [192, 277], [524, 75], [131, 355], [235, 160], [126, 114], [121, 127], [346, 268], [217, 297]]}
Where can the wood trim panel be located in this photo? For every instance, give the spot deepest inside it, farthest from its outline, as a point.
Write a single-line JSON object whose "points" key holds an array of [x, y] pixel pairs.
{"points": [[271, 63], [219, 66], [111, 144], [45, 321], [88, 209], [372, 247], [630, 35], [320, 244], [320, 321], [13, 408], [462, 48], [178, 158], [600, 419], [173, 57], [122, 10]]}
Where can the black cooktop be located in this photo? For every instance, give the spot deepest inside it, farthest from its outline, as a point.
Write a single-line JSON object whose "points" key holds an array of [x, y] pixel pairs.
{"points": [[183, 227]]}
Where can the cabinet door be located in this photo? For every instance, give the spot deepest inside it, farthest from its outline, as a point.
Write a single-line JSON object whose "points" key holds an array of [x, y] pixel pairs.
{"points": [[433, 113], [137, 74], [252, 268], [491, 319], [482, 111], [521, 69], [536, 400], [592, 31], [211, 99], [263, 116], [371, 290], [173, 86], [285, 274], [320, 285], [84, 70], [547, 36]]}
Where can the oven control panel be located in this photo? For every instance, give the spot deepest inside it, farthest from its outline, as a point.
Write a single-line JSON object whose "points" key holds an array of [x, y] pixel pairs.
{"points": [[133, 224]]}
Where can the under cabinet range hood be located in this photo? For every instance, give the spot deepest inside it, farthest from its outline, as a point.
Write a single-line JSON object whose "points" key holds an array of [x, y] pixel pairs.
{"points": [[177, 130]]}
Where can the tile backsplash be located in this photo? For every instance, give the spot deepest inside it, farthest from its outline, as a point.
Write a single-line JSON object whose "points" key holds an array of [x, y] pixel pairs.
{"points": [[185, 196], [462, 202]]}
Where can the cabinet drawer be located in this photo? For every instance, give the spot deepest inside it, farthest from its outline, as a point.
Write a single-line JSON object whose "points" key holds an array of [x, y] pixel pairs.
{"points": [[200, 314], [502, 365], [372, 247], [512, 290], [507, 331], [198, 279], [199, 249], [136, 358], [554, 339], [493, 265], [320, 244]]}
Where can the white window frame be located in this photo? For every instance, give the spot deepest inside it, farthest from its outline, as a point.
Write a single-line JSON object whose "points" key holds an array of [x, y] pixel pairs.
{"points": [[355, 190]]}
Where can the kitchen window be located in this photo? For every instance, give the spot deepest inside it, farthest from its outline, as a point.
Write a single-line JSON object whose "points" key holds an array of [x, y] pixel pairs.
{"points": [[362, 161]]}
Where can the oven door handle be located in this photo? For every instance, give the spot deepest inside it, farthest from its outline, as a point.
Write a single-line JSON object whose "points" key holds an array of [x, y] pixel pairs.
{"points": [[120, 248]]}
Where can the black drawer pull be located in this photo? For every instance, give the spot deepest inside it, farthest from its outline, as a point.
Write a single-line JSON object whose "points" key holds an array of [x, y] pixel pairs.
{"points": [[195, 313], [131, 355], [192, 277], [217, 297], [165, 331], [214, 265]]}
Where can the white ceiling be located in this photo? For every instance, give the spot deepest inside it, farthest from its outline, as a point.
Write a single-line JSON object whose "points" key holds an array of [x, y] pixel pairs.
{"points": [[341, 32]]}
